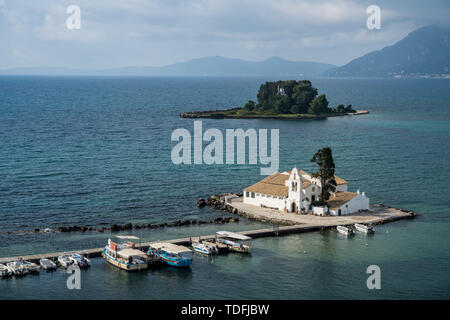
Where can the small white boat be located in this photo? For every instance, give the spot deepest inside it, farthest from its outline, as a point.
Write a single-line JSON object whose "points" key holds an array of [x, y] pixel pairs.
{"points": [[64, 261], [348, 231], [204, 248], [364, 228], [4, 271], [16, 267], [80, 260], [47, 264], [31, 267]]}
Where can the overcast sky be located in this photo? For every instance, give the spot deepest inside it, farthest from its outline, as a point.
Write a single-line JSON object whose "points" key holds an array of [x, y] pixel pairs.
{"points": [[158, 32]]}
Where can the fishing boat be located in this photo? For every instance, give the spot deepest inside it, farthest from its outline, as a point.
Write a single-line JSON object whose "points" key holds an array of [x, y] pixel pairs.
{"points": [[234, 241], [364, 228], [16, 267], [205, 248], [348, 231], [4, 271], [125, 256], [80, 260], [31, 267], [64, 261], [47, 264], [171, 254]]}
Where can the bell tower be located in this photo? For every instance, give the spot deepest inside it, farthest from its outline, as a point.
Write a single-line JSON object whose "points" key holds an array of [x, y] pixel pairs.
{"points": [[294, 184]]}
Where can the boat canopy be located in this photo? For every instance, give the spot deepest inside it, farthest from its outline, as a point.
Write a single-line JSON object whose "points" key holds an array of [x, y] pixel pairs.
{"points": [[127, 237], [126, 253], [169, 247], [233, 235]]}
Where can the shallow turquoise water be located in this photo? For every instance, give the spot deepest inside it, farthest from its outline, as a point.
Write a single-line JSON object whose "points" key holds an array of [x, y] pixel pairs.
{"points": [[96, 151]]}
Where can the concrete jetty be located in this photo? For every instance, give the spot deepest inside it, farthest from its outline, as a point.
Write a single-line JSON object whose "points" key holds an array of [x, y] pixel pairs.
{"points": [[290, 224]]}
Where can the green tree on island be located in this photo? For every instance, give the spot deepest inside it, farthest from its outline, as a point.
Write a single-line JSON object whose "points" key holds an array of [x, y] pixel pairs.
{"points": [[319, 105], [282, 105], [303, 94], [324, 159], [250, 105]]}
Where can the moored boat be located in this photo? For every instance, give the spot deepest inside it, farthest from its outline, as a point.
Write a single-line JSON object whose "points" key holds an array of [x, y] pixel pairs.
{"points": [[234, 241], [64, 261], [348, 231], [31, 267], [16, 267], [4, 271], [47, 264], [125, 256], [364, 228], [205, 248], [171, 254], [80, 260]]}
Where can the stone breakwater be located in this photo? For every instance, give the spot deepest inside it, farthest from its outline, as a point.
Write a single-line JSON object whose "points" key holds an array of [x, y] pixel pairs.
{"points": [[233, 203], [130, 226]]}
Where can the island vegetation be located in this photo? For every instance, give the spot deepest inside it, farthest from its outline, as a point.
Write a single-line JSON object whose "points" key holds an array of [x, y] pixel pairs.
{"points": [[282, 99], [291, 97]]}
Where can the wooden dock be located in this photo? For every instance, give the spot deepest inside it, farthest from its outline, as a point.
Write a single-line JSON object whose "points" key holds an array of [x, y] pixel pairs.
{"points": [[268, 232]]}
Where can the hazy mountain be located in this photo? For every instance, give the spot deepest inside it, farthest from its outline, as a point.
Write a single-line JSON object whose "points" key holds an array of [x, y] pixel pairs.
{"points": [[425, 51], [209, 66]]}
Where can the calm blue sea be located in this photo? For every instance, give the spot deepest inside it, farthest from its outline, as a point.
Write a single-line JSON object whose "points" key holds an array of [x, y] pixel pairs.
{"points": [[96, 151]]}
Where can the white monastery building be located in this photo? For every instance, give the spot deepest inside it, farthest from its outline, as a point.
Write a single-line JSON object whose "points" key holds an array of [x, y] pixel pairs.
{"points": [[296, 190]]}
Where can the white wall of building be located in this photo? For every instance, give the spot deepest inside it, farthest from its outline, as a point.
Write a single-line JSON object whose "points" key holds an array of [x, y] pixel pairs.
{"points": [[265, 200], [320, 211], [359, 202], [312, 190]]}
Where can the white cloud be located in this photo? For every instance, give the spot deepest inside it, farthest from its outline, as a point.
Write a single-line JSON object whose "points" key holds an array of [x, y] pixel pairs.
{"points": [[155, 32]]}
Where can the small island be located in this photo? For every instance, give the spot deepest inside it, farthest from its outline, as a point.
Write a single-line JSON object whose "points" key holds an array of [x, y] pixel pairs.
{"points": [[288, 99]]}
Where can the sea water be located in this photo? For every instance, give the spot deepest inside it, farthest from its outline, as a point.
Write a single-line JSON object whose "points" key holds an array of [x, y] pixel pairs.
{"points": [[96, 151]]}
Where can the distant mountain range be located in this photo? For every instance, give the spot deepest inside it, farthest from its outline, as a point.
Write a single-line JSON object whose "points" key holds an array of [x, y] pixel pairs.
{"points": [[425, 51], [209, 66]]}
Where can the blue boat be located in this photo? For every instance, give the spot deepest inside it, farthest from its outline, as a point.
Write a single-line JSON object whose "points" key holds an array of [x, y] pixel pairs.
{"points": [[171, 254]]}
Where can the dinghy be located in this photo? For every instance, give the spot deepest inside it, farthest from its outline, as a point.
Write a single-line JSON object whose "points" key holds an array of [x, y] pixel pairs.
{"points": [[80, 260], [16, 267], [31, 267], [47, 264], [64, 261], [348, 231], [204, 248], [4, 271], [364, 228]]}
